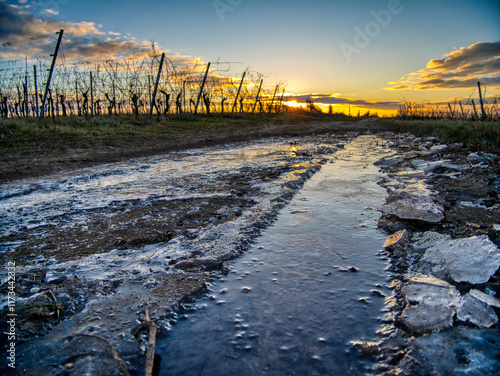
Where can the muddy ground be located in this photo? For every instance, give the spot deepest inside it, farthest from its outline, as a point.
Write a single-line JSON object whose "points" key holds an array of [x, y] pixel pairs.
{"points": [[132, 225], [39, 162]]}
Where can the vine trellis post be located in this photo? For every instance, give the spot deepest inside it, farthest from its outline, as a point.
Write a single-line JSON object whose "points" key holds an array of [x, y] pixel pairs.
{"points": [[201, 89], [36, 89], [483, 112], [54, 57], [153, 99], [238, 93], [257, 96]]}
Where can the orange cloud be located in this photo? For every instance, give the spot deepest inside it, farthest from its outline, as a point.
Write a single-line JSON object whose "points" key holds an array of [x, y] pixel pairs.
{"points": [[461, 69]]}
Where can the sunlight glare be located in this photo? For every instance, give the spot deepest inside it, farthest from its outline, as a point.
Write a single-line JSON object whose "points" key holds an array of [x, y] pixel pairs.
{"points": [[293, 103]]}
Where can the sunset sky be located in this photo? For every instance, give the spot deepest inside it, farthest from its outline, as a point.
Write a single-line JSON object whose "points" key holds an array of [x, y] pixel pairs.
{"points": [[365, 53]]}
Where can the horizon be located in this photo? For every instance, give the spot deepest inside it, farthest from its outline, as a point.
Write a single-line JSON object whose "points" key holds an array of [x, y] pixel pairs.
{"points": [[361, 56]]}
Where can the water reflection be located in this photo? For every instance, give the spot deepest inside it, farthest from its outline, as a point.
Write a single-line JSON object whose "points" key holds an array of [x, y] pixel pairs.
{"points": [[311, 284]]}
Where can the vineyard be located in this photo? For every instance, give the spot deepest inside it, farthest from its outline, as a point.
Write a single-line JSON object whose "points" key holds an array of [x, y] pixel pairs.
{"points": [[470, 110], [160, 85], [156, 85]]}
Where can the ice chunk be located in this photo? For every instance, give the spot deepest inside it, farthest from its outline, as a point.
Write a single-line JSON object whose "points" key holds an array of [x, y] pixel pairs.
{"points": [[431, 304], [473, 260]]}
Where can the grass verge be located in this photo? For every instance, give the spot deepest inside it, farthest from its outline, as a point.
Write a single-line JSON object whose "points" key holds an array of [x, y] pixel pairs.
{"points": [[476, 136], [58, 133]]}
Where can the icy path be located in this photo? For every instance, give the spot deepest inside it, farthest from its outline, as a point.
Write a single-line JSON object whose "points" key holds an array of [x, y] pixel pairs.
{"points": [[311, 284], [105, 242]]}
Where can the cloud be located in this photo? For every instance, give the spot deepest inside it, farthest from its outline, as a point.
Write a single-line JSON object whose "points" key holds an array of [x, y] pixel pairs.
{"points": [[460, 69], [50, 12], [334, 99], [24, 34]]}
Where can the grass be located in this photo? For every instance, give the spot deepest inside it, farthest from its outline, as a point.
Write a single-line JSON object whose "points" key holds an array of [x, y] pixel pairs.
{"points": [[60, 133], [476, 136], [28, 133]]}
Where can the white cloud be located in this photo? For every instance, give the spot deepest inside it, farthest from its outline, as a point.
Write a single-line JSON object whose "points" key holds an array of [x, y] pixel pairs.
{"points": [[50, 12]]}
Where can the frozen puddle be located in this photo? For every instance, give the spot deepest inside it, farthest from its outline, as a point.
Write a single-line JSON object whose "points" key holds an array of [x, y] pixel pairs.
{"points": [[312, 283], [189, 174]]}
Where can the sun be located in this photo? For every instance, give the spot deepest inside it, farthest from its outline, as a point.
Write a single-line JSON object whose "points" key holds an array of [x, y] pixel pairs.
{"points": [[292, 104]]}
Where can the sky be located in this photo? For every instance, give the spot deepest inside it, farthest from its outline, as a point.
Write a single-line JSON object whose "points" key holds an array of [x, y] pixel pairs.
{"points": [[370, 54]]}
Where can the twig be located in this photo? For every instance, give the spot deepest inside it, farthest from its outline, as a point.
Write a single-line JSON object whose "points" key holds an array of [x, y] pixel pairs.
{"points": [[56, 303], [150, 353]]}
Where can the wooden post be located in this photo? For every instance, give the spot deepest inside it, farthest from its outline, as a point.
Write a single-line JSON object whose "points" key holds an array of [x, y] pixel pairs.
{"points": [[257, 96], [91, 95], [54, 57], [114, 97], [57, 102], [36, 88], [19, 103], [462, 110], [156, 85], [78, 112], [483, 112], [272, 101], [184, 96], [201, 89], [149, 87], [117, 106], [26, 106], [281, 100], [451, 112], [238, 93], [475, 111]]}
